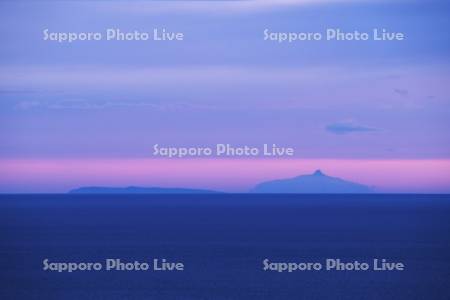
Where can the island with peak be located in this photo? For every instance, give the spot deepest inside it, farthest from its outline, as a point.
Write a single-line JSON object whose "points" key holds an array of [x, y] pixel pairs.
{"points": [[315, 183]]}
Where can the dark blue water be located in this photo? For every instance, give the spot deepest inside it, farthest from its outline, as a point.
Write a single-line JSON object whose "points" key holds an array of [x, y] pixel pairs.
{"points": [[222, 240]]}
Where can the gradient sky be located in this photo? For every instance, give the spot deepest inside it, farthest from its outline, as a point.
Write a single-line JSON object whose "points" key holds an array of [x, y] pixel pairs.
{"points": [[358, 110]]}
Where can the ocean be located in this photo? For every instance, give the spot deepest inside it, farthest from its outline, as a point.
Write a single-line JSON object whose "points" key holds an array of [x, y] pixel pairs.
{"points": [[222, 241]]}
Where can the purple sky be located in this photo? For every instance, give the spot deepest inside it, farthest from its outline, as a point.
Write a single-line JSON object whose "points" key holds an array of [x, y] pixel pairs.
{"points": [[334, 102]]}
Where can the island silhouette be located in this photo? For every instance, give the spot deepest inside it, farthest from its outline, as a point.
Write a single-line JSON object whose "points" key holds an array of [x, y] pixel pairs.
{"points": [[315, 183], [138, 190]]}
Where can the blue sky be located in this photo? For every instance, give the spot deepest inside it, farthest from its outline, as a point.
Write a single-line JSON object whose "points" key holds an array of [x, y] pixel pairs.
{"points": [[223, 83]]}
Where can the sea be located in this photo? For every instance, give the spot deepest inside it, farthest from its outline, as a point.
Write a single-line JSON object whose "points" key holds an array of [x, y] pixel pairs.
{"points": [[222, 241]]}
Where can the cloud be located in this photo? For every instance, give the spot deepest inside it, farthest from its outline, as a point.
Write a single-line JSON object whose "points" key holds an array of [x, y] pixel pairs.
{"points": [[211, 7], [88, 104], [401, 92], [216, 87], [15, 92], [79, 104], [25, 105], [346, 127], [64, 77], [100, 78]]}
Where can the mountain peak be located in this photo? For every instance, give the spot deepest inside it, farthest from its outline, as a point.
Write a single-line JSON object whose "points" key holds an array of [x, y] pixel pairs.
{"points": [[318, 173], [316, 182]]}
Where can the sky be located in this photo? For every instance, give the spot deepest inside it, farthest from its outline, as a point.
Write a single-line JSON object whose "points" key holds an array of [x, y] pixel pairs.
{"points": [[369, 111]]}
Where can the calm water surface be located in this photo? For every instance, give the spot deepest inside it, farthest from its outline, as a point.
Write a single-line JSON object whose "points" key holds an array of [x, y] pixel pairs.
{"points": [[222, 241]]}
